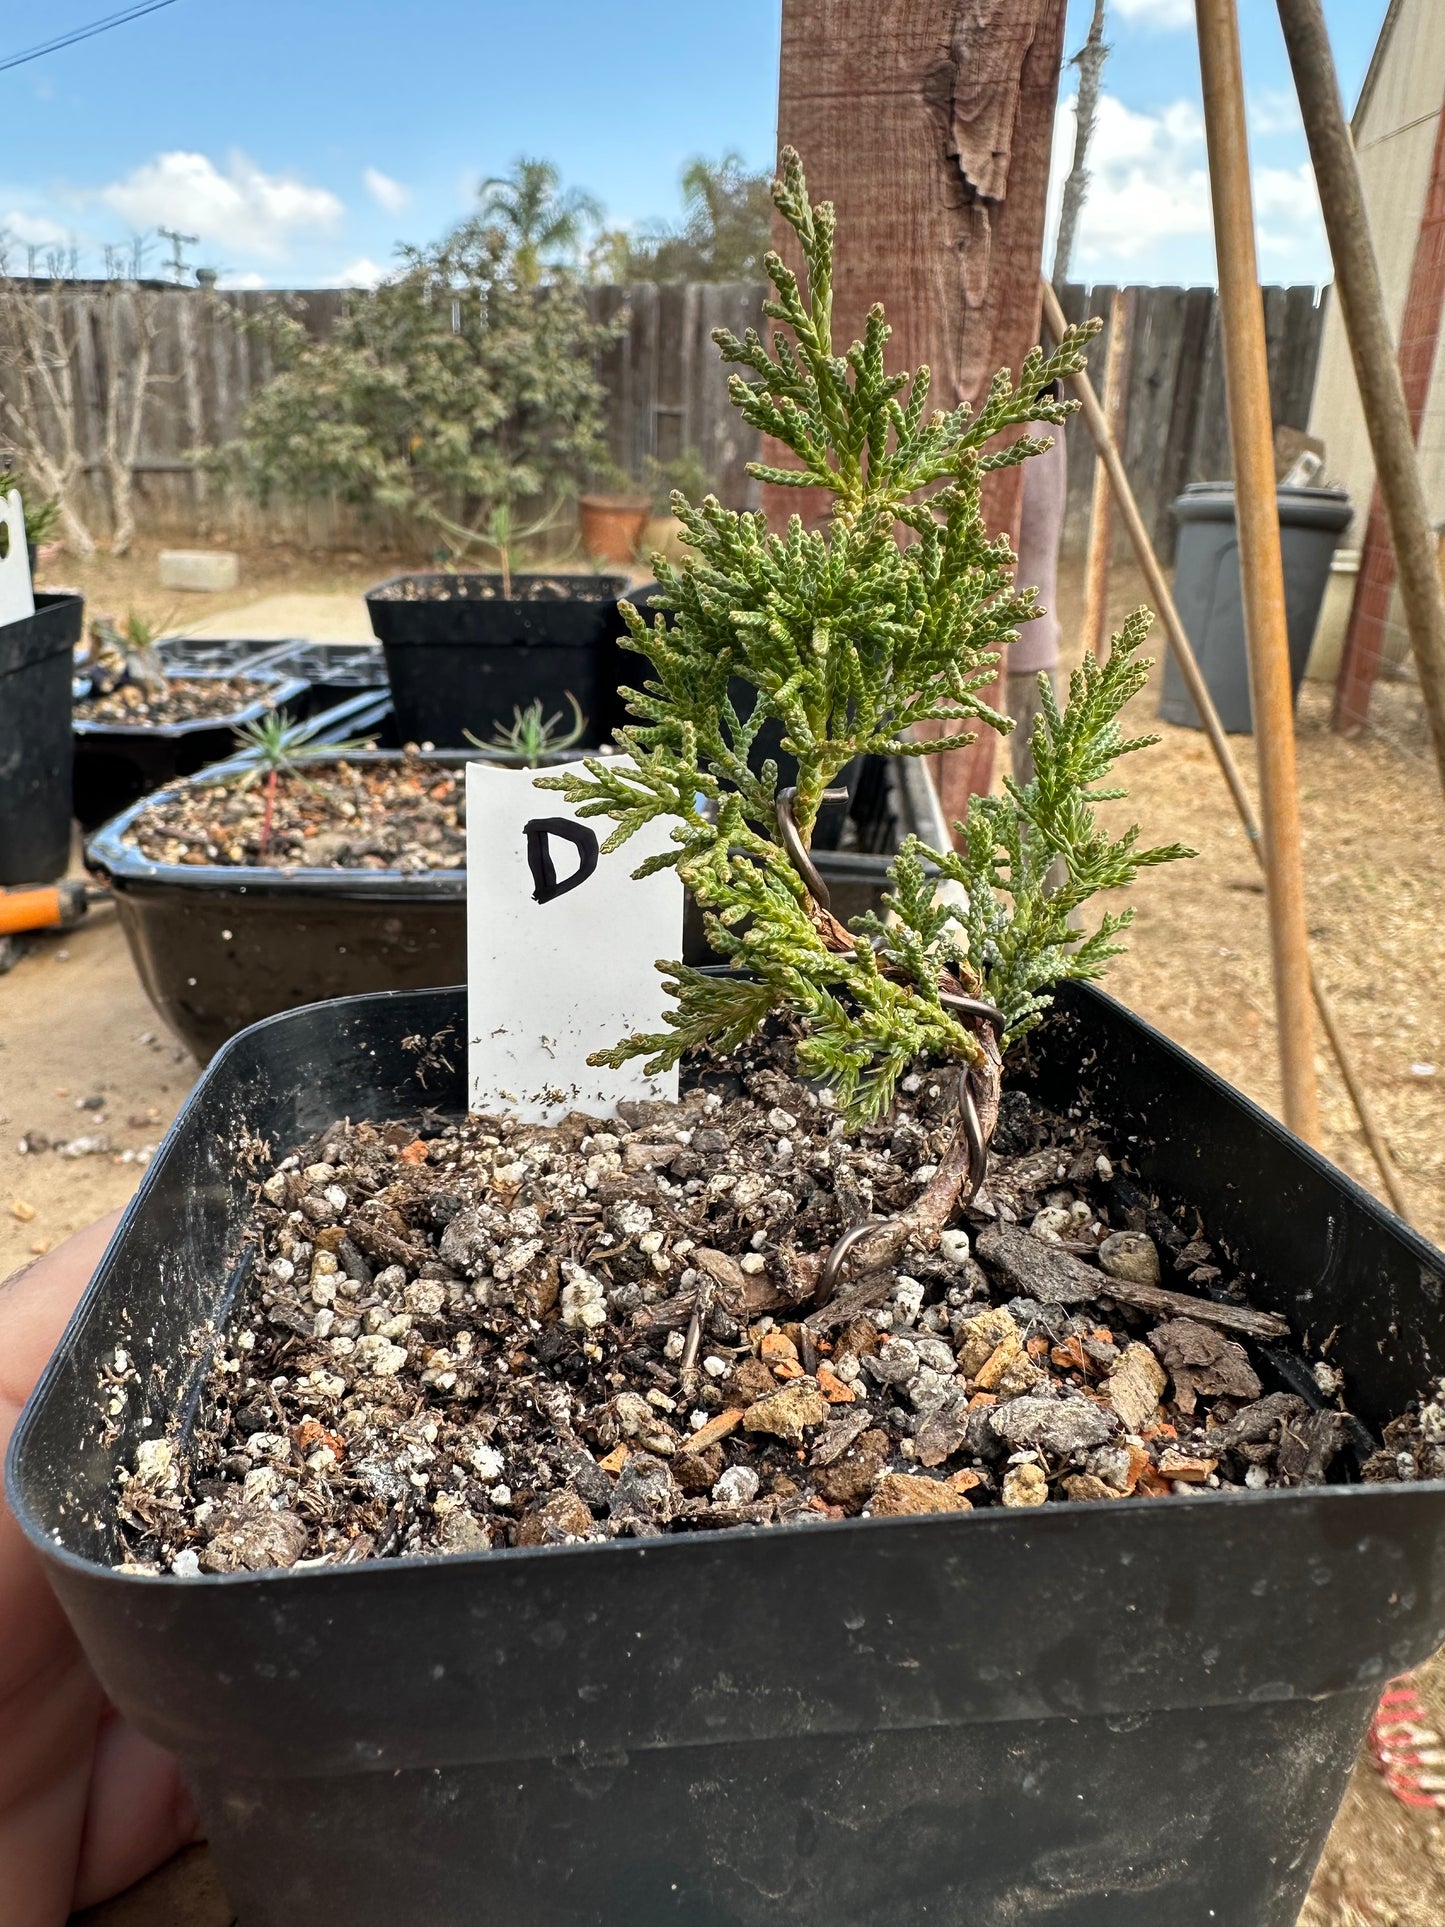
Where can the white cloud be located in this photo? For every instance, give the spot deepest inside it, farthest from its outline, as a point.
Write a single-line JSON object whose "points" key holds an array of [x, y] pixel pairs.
{"points": [[243, 283], [361, 273], [1164, 15], [1147, 214], [385, 191], [1287, 214], [33, 230], [1147, 181], [244, 210]]}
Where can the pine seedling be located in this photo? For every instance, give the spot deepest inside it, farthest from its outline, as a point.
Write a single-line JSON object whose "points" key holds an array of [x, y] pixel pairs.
{"points": [[273, 746], [530, 736], [850, 636]]}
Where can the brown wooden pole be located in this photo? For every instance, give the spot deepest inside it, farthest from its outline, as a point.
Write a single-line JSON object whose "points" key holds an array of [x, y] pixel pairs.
{"points": [[928, 124], [1101, 521], [1251, 436], [1148, 559], [1377, 368]]}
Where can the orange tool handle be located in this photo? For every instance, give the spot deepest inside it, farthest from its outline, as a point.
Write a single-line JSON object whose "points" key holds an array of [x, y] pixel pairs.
{"points": [[55, 908]]}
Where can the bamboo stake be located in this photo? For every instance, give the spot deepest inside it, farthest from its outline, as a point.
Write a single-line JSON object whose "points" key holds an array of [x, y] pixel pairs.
{"points": [[1246, 381], [1372, 348], [1163, 600], [1101, 521]]}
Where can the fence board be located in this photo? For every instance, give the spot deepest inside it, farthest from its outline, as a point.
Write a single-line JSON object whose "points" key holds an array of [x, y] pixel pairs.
{"points": [[666, 390]]}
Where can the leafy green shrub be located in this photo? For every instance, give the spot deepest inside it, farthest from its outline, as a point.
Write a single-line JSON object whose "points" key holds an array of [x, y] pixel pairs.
{"points": [[462, 384]]}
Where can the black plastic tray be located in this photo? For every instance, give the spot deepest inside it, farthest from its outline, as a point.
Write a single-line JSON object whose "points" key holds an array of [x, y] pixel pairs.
{"points": [[118, 763], [1132, 1715], [218, 947]]}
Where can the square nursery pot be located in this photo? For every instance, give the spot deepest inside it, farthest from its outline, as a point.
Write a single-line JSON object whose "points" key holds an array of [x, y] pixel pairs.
{"points": [[1119, 1715], [36, 748], [460, 655], [116, 763], [218, 947]]}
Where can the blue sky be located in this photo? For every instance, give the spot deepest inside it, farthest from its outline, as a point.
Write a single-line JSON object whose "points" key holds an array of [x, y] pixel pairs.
{"points": [[301, 138]]}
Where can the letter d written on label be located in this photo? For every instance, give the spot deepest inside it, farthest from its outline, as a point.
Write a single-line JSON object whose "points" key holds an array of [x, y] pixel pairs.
{"points": [[562, 949]]}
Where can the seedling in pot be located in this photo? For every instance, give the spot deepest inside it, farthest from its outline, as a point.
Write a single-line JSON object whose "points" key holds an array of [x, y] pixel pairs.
{"points": [[531, 739], [850, 638], [127, 652], [498, 534], [274, 746]]}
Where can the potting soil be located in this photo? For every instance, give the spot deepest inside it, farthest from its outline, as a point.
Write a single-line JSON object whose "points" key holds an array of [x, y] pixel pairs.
{"points": [[335, 816], [180, 699], [462, 1336]]}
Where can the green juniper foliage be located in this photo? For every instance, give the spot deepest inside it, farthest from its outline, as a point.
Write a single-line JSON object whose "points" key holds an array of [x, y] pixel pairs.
{"points": [[849, 636]]}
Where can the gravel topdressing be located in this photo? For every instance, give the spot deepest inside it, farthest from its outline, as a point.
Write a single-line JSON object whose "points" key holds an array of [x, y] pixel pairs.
{"points": [[341, 816], [470, 1336]]}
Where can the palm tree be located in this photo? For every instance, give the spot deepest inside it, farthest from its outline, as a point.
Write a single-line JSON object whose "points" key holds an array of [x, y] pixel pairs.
{"points": [[543, 222]]}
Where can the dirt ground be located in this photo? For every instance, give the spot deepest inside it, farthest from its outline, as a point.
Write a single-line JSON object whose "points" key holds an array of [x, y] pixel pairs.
{"points": [[75, 1025]]}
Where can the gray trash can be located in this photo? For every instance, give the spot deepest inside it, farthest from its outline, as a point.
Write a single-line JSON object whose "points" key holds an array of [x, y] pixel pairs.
{"points": [[1207, 591]]}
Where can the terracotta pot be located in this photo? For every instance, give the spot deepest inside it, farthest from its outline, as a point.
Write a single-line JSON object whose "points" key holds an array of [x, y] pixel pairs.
{"points": [[663, 536], [612, 525]]}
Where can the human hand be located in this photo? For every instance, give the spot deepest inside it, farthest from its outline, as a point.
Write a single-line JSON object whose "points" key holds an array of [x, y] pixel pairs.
{"points": [[87, 1805]]}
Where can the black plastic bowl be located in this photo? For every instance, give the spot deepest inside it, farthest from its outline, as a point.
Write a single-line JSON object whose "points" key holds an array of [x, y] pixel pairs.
{"points": [[1118, 1715], [218, 947], [460, 655], [116, 763]]}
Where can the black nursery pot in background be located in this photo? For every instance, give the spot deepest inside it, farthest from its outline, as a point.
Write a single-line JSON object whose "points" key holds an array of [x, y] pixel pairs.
{"points": [[768, 744], [115, 763], [36, 747], [1113, 1715], [461, 656]]}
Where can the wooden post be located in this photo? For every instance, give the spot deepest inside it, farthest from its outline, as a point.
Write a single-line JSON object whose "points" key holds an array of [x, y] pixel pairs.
{"points": [[1377, 369], [1148, 559], [929, 125], [1251, 435], [1101, 521]]}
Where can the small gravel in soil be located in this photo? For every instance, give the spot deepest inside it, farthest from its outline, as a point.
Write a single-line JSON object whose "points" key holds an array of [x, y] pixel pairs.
{"points": [[463, 1336], [184, 700], [339, 816]]}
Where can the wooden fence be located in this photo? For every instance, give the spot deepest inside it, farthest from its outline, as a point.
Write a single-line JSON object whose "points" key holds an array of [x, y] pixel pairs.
{"points": [[666, 390]]}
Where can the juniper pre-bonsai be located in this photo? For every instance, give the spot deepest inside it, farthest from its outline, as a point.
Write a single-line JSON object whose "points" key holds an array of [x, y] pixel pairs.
{"points": [[850, 636]]}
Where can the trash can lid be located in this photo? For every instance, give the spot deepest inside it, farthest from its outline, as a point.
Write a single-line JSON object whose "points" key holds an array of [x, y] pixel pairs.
{"points": [[1299, 507]]}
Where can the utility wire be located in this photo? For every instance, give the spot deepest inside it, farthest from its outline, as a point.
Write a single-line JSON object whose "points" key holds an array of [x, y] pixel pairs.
{"points": [[84, 33]]}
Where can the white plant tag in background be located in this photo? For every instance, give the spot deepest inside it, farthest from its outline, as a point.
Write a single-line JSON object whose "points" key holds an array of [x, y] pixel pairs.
{"points": [[562, 949], [17, 600]]}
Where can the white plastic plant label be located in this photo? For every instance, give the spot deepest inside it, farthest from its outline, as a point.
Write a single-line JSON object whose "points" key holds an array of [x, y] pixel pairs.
{"points": [[562, 950], [17, 599]]}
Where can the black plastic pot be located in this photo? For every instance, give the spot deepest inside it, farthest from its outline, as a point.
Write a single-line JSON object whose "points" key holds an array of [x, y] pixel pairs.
{"points": [[462, 656], [36, 747], [115, 763], [220, 947], [1095, 1716]]}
